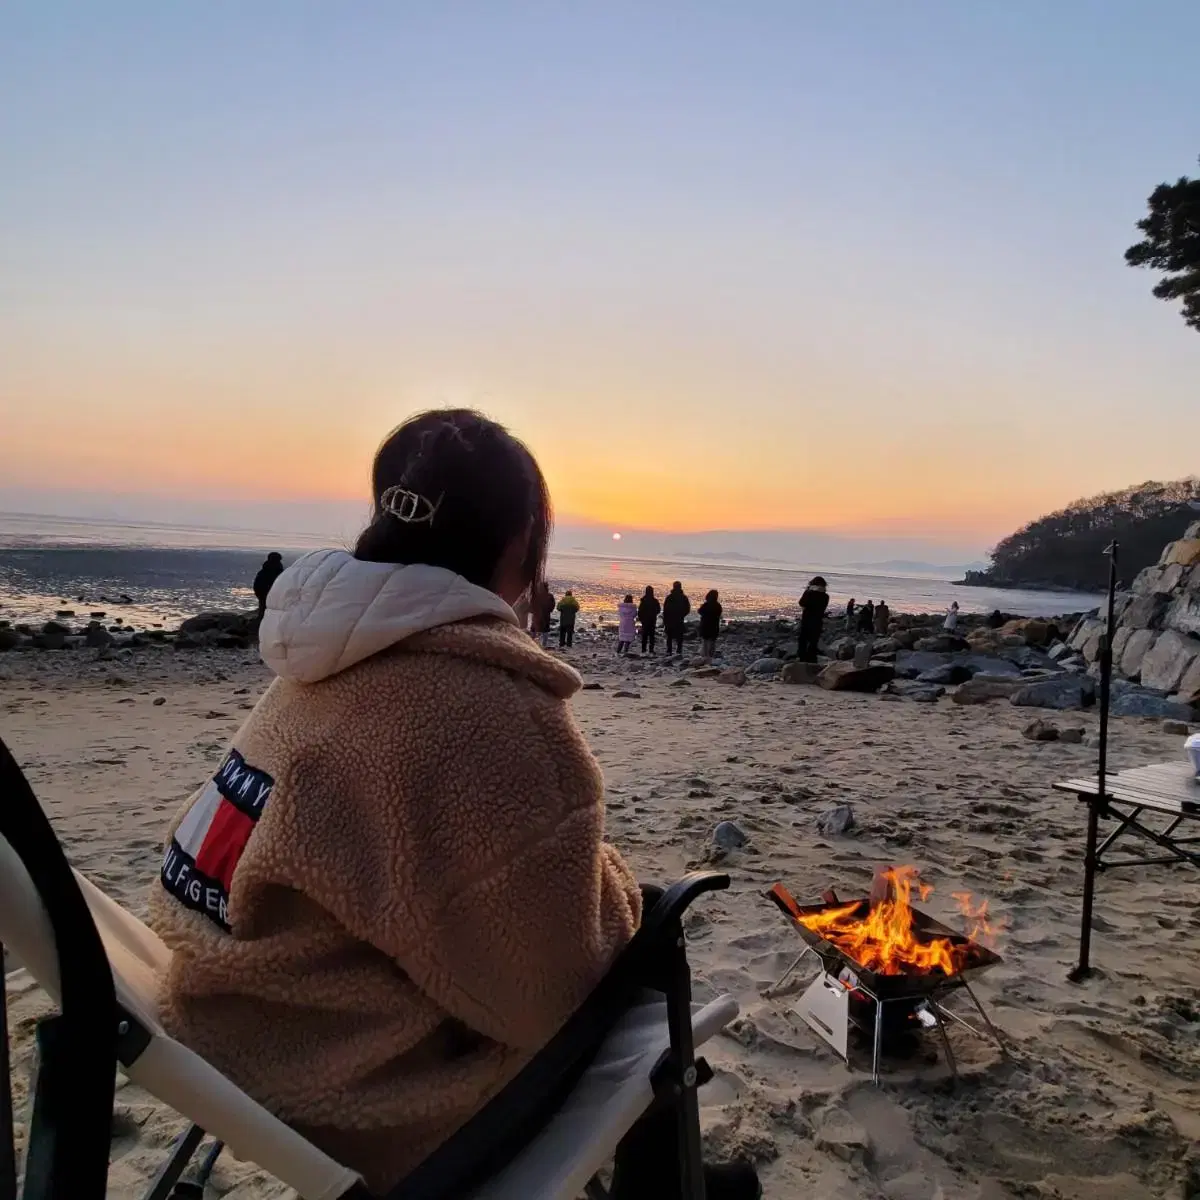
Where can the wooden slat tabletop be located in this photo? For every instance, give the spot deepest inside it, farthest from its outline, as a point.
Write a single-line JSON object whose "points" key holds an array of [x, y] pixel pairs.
{"points": [[1164, 787]]}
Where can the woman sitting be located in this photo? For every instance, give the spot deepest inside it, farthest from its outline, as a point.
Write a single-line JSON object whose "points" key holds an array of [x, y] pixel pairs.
{"points": [[395, 889]]}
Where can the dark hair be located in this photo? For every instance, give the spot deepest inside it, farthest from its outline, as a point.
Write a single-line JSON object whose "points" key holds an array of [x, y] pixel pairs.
{"points": [[676, 586], [274, 556], [712, 595], [484, 489], [648, 592], [817, 581], [629, 598]]}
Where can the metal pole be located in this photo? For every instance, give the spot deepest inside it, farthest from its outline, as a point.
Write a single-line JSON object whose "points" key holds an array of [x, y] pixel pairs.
{"points": [[1096, 803]]}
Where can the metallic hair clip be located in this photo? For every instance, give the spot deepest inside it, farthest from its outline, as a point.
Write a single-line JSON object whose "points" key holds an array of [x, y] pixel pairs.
{"points": [[410, 507]]}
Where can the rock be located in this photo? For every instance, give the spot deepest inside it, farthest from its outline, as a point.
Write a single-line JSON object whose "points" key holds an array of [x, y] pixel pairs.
{"points": [[1062, 692], [842, 649], [1074, 734], [1168, 660], [734, 676], [680, 683], [1059, 651], [50, 641], [983, 688], [1040, 731], [943, 643], [991, 665], [10, 639], [159, 701], [593, 687], [97, 637], [846, 677], [1134, 650], [54, 627], [1031, 630], [1184, 613], [1144, 612], [800, 672], [98, 616], [1085, 631], [625, 694], [707, 672], [886, 645], [1184, 553], [836, 821], [1138, 703], [912, 663], [862, 655], [1179, 728], [729, 836], [838, 1133], [64, 613], [240, 624], [911, 689], [1189, 685], [948, 673], [764, 666]]}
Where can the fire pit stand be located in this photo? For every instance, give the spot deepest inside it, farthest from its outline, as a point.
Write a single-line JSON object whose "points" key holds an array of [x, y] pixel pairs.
{"points": [[828, 1003], [846, 995]]}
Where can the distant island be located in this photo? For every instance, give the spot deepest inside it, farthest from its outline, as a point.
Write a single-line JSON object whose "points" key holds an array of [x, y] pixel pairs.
{"points": [[1065, 550]]}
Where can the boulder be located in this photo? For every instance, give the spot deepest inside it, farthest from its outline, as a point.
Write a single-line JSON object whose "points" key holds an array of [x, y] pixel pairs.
{"points": [[734, 676], [1168, 660], [1040, 731], [764, 666], [1031, 630], [1177, 728], [905, 639], [1134, 650], [947, 673], [846, 677], [801, 672], [1144, 612], [241, 624], [986, 664], [911, 663], [942, 643], [1084, 633], [1062, 692], [50, 641], [1138, 703], [836, 821], [729, 836], [707, 672], [1189, 685], [10, 639], [842, 648], [1184, 553], [1028, 658], [983, 688], [1184, 614], [1074, 734], [1059, 651], [97, 637], [52, 628]]}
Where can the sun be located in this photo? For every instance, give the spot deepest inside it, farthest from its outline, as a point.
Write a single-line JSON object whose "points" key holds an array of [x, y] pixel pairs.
{"points": [[616, 537]]}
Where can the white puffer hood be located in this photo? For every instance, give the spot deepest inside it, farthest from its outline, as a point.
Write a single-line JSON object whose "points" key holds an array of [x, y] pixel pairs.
{"points": [[329, 610]]}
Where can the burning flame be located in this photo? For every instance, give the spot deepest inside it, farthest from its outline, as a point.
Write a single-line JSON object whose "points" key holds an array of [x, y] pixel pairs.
{"points": [[884, 940]]}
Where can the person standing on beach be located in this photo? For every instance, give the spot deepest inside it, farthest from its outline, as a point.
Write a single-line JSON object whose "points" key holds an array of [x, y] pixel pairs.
{"points": [[866, 617], [270, 571], [851, 608], [883, 615], [648, 611], [568, 610], [626, 624], [675, 610], [813, 604], [710, 624], [542, 610], [950, 625]]}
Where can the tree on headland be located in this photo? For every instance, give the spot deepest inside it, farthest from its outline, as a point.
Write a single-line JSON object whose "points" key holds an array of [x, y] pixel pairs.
{"points": [[1066, 548], [1172, 244]]}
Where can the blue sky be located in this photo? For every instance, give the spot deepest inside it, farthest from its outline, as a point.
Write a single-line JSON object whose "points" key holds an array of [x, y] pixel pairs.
{"points": [[846, 267]]}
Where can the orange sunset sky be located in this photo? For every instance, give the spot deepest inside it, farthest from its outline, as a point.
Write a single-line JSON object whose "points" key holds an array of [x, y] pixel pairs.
{"points": [[784, 267]]}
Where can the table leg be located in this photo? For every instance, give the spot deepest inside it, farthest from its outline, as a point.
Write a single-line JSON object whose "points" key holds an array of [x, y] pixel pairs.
{"points": [[1083, 968]]}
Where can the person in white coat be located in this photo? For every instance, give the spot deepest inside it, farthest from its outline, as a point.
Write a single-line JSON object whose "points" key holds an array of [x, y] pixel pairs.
{"points": [[950, 625]]}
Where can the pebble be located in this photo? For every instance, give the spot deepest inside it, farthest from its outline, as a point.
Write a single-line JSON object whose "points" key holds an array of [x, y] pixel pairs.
{"points": [[624, 694], [729, 836], [836, 821]]}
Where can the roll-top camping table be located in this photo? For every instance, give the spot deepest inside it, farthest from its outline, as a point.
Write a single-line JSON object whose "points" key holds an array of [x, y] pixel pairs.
{"points": [[1167, 794]]}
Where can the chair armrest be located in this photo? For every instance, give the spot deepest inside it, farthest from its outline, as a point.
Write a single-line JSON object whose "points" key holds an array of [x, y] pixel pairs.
{"points": [[675, 901]]}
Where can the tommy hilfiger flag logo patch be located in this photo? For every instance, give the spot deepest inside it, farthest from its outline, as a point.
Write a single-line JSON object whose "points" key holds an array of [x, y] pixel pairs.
{"points": [[207, 846]]}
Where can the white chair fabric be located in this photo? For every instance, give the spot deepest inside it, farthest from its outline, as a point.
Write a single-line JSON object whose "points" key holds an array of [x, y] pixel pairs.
{"points": [[556, 1165]]}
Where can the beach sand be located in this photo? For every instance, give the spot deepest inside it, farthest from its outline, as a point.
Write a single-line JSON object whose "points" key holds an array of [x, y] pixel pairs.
{"points": [[1099, 1096]]}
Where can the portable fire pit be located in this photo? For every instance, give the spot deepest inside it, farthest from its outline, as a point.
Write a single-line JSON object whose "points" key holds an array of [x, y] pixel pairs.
{"points": [[887, 968]]}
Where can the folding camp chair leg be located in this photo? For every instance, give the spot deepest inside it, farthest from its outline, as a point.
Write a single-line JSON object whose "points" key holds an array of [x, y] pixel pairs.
{"points": [[186, 1145], [8, 1148]]}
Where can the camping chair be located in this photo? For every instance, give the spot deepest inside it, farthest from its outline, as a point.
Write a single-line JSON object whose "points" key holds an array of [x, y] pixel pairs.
{"points": [[624, 1049]]}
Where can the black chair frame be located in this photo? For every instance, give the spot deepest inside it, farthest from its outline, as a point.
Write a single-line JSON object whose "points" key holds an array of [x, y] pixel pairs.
{"points": [[80, 1048]]}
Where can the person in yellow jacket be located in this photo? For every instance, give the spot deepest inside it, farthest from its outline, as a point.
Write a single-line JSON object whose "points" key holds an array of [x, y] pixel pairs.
{"points": [[568, 610]]}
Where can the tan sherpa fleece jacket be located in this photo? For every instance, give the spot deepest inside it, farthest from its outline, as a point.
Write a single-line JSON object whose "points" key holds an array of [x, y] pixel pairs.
{"points": [[395, 889]]}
